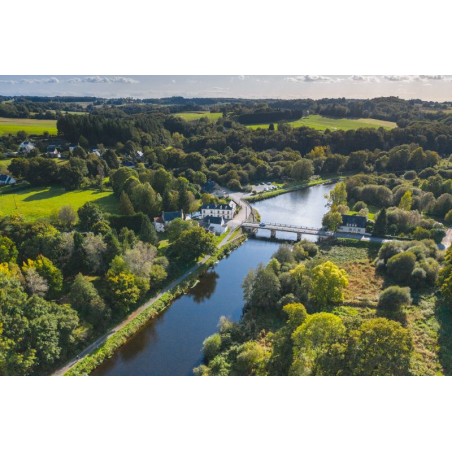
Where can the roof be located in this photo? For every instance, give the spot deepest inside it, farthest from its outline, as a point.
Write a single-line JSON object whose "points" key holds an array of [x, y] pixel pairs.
{"points": [[158, 220], [354, 221], [4, 178], [209, 186], [214, 220], [170, 216], [216, 207]]}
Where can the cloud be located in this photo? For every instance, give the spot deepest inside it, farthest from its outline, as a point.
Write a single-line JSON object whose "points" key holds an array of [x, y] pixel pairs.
{"points": [[309, 79], [98, 79], [423, 78], [31, 81], [364, 78]]}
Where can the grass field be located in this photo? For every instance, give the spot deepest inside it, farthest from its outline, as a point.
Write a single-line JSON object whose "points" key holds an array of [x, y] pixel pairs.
{"points": [[42, 202], [322, 122], [31, 126], [4, 163], [193, 115]]}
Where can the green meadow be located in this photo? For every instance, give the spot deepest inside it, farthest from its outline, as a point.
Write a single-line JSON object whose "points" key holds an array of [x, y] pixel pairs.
{"points": [[193, 115], [322, 123], [42, 202], [31, 126]]}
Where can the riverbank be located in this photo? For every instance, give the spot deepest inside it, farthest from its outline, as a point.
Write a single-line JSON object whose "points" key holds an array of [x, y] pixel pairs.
{"points": [[117, 337], [271, 194]]}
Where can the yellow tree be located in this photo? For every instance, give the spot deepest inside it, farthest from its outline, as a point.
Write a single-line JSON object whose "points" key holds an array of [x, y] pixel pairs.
{"points": [[328, 283], [406, 201], [338, 195]]}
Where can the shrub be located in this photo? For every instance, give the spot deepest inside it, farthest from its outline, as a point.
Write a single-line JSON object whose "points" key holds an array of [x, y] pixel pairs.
{"points": [[359, 205], [211, 346], [394, 297], [400, 266]]}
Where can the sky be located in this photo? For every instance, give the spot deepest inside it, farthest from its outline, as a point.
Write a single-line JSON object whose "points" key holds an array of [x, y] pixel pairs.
{"points": [[427, 87]]}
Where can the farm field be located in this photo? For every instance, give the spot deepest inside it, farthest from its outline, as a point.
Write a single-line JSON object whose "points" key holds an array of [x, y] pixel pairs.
{"points": [[41, 202], [322, 122], [31, 126], [193, 115]]}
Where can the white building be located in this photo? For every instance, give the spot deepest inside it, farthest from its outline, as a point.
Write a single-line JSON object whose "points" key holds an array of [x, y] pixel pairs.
{"points": [[353, 224], [216, 225], [26, 146], [226, 211], [6, 180]]}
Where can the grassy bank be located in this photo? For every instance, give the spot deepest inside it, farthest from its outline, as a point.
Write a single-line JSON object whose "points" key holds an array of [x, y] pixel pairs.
{"points": [[87, 364]]}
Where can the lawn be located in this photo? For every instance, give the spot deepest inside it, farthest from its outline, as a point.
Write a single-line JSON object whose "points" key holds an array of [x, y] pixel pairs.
{"points": [[31, 126], [322, 122], [193, 115], [41, 202]]}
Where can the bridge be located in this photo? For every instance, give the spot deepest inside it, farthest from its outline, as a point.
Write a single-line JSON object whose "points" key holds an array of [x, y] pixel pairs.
{"points": [[274, 227]]}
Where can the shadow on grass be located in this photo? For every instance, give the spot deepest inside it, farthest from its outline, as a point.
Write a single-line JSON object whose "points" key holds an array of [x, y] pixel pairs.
{"points": [[43, 193], [443, 314], [108, 204]]}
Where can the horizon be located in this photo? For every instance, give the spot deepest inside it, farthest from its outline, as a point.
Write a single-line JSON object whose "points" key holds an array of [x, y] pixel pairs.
{"points": [[434, 88]]}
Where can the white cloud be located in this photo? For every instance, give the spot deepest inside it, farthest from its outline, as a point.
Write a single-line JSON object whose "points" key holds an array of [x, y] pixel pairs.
{"points": [[364, 78], [397, 78], [423, 78], [310, 78], [97, 79], [31, 81]]}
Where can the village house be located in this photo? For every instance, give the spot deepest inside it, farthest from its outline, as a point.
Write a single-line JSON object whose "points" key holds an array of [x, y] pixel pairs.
{"points": [[216, 225], [226, 211], [353, 224], [26, 146], [72, 146], [5, 179], [161, 223], [209, 187]]}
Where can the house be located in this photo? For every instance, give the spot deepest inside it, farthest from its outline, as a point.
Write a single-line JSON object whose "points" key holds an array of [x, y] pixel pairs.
{"points": [[72, 146], [128, 164], [6, 180], [219, 210], [353, 224], [26, 146], [209, 187], [161, 223], [139, 156], [216, 225], [55, 154], [95, 152]]}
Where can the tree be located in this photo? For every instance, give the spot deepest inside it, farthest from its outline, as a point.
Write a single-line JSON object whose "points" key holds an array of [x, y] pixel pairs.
{"points": [[139, 259], [192, 244], [394, 297], [79, 152], [147, 231], [261, 289], [211, 347], [8, 250], [380, 347], [94, 248], [400, 266], [36, 284], [406, 201], [89, 214], [381, 224], [302, 169], [338, 195], [125, 205], [112, 159], [67, 216], [177, 227], [332, 220], [45, 268], [316, 341], [145, 200], [328, 283], [119, 178], [73, 173]]}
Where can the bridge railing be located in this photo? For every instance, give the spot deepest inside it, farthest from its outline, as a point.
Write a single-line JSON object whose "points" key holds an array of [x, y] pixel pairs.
{"points": [[282, 225]]}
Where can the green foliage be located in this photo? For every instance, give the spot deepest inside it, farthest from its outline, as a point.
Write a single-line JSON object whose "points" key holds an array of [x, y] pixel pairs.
{"points": [[302, 169], [394, 297], [406, 201], [192, 244], [328, 283], [8, 250], [381, 224], [147, 231], [125, 205], [45, 268], [332, 220], [89, 215], [400, 266], [211, 346]]}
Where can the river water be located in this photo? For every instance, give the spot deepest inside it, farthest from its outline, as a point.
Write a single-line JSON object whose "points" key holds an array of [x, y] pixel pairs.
{"points": [[171, 344]]}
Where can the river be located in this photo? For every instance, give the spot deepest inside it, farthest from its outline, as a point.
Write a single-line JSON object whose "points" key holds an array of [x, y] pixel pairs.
{"points": [[171, 344]]}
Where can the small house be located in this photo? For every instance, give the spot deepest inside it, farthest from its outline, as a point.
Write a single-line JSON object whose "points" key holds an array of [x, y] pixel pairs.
{"points": [[353, 224], [159, 224], [209, 187], [26, 146], [162, 222], [5, 179], [216, 225]]}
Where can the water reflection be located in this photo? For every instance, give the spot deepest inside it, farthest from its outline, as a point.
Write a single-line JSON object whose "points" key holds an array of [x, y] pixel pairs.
{"points": [[171, 344]]}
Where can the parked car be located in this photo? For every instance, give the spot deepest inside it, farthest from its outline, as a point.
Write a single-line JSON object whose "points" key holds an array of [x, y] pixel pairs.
{"points": [[262, 224]]}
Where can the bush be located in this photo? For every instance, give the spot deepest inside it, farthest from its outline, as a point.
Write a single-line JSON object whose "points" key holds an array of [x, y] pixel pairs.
{"points": [[448, 217], [394, 297], [359, 205], [400, 266], [211, 346]]}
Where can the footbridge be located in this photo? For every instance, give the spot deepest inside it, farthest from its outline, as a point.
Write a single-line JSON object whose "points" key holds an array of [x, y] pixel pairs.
{"points": [[275, 227]]}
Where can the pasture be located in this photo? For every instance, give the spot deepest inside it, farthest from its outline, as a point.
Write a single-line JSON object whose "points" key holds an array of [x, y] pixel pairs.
{"points": [[322, 123], [31, 126], [194, 115], [34, 203]]}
